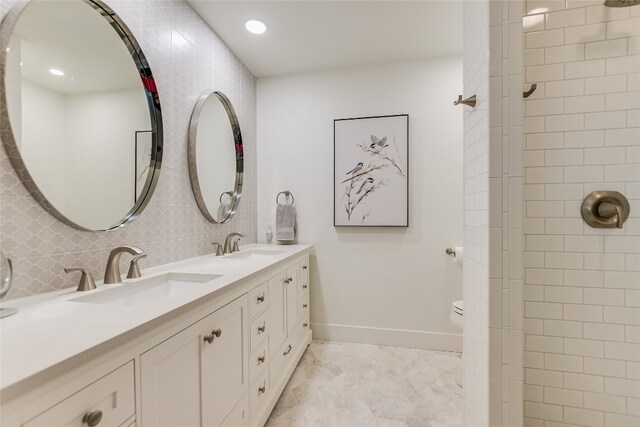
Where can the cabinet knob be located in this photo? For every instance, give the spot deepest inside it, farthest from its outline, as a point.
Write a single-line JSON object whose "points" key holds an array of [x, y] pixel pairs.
{"points": [[260, 298], [262, 328], [304, 267], [304, 305], [287, 280], [305, 286], [261, 359], [214, 334], [288, 350], [92, 418], [305, 324], [262, 389]]}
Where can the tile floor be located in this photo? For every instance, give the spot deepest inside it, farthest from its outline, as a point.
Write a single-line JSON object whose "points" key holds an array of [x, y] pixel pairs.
{"points": [[354, 385]]}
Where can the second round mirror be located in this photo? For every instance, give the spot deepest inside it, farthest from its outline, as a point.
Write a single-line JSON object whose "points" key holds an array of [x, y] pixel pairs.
{"points": [[216, 157]]}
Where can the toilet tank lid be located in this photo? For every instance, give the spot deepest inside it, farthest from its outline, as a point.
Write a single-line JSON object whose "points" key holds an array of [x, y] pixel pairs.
{"points": [[457, 306]]}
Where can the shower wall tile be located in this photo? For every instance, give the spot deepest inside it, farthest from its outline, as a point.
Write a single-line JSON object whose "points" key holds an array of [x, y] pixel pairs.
{"points": [[188, 60], [581, 283]]}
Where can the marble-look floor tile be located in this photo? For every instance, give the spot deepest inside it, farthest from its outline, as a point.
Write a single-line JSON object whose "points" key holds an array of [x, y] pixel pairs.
{"points": [[352, 385]]}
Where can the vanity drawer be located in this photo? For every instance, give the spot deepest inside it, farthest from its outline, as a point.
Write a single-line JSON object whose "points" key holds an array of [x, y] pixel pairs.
{"points": [[258, 299], [111, 398], [239, 415], [258, 361], [259, 393], [283, 356], [259, 330]]}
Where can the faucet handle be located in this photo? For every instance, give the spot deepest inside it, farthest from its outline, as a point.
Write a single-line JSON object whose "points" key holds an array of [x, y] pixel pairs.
{"points": [[86, 280], [218, 247], [236, 246], [134, 270]]}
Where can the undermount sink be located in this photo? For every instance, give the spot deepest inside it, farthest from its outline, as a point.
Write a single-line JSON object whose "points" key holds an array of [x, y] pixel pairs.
{"points": [[149, 291], [256, 254]]}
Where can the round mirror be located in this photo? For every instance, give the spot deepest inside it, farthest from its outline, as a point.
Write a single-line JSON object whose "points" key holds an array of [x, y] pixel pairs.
{"points": [[216, 157], [80, 114]]}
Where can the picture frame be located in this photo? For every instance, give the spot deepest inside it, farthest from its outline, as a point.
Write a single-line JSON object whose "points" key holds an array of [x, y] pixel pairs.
{"points": [[371, 171]]}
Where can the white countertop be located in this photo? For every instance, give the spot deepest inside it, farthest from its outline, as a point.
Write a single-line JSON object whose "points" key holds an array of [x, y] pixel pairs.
{"points": [[49, 328]]}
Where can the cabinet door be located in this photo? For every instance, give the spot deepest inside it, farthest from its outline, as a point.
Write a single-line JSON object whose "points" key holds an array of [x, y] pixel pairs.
{"points": [[292, 297], [225, 360], [277, 307], [170, 381]]}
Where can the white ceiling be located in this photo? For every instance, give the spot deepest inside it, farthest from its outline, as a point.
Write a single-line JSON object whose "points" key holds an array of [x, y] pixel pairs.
{"points": [[314, 35]]}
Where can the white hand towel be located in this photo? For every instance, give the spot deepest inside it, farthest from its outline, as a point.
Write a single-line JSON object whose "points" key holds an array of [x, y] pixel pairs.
{"points": [[285, 222]]}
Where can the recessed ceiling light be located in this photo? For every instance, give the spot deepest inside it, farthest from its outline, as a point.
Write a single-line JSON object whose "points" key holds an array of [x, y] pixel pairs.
{"points": [[255, 26], [56, 72]]}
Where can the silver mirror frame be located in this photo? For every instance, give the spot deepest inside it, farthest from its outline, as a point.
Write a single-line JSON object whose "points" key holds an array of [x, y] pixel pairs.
{"points": [[193, 166], [153, 100]]}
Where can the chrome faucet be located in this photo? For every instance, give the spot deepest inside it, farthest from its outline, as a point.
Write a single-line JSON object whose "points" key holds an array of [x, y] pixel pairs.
{"points": [[112, 272], [230, 245]]}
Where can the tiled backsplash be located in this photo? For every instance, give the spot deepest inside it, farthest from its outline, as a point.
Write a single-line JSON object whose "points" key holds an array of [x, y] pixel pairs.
{"points": [[188, 60], [582, 285]]}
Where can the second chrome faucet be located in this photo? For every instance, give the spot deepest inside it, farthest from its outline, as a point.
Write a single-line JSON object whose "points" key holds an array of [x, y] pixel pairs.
{"points": [[112, 272], [230, 245]]}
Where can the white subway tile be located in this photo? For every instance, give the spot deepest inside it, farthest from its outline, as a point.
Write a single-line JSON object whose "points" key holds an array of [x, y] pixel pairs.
{"points": [[618, 173], [590, 138], [538, 6], [632, 333], [633, 79], [584, 244], [563, 260], [605, 367], [621, 279], [608, 84], [604, 262], [559, 396], [622, 315], [541, 276], [578, 69], [566, 122], [622, 387], [532, 124], [623, 28], [542, 310], [604, 296], [584, 417], [581, 347], [533, 192], [632, 262], [633, 118], [570, 4], [622, 351], [532, 393], [543, 377], [544, 208], [603, 156], [623, 101], [608, 120], [544, 243], [583, 382], [533, 326], [633, 407], [563, 226], [588, 313], [584, 104], [623, 64], [618, 137], [566, 18], [533, 23], [605, 49], [562, 328], [544, 38], [543, 411], [585, 33], [600, 13], [533, 259], [632, 154], [563, 157], [632, 297], [563, 191], [565, 53], [584, 278], [620, 420], [533, 293], [542, 107], [583, 174], [634, 45], [556, 89], [533, 57], [543, 73], [603, 331], [537, 141]]}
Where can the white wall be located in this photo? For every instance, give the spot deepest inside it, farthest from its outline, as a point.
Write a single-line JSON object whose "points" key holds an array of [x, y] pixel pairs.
{"points": [[368, 282], [582, 285]]}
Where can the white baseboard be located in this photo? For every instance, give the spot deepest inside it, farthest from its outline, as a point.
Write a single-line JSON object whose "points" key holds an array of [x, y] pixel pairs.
{"points": [[387, 337]]}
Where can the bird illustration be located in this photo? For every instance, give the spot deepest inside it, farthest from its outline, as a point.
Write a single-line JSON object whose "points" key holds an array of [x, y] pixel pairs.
{"points": [[366, 181], [357, 169], [376, 142]]}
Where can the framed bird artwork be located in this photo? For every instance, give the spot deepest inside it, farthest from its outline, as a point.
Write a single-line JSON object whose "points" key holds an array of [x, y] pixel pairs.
{"points": [[371, 171]]}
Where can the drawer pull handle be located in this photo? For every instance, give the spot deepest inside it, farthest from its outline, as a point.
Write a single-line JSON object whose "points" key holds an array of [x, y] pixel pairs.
{"points": [[92, 418], [288, 350], [262, 328], [305, 286], [287, 280], [304, 305], [260, 298], [214, 334], [262, 389], [261, 359], [305, 324], [304, 267]]}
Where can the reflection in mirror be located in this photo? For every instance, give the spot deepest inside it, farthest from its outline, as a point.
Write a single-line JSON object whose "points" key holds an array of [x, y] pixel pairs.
{"points": [[216, 157], [82, 123]]}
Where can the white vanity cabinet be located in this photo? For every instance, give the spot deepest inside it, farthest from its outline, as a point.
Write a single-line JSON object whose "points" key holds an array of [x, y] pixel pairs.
{"points": [[221, 361], [199, 373]]}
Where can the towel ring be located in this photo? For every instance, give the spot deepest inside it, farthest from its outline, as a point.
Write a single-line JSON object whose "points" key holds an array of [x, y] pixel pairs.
{"points": [[286, 193], [230, 193]]}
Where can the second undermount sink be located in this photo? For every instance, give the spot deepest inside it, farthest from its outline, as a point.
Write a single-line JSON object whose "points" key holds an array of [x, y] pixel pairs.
{"points": [[256, 254], [149, 291]]}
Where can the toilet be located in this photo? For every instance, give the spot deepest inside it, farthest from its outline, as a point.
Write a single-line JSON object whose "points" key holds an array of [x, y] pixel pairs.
{"points": [[457, 320]]}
